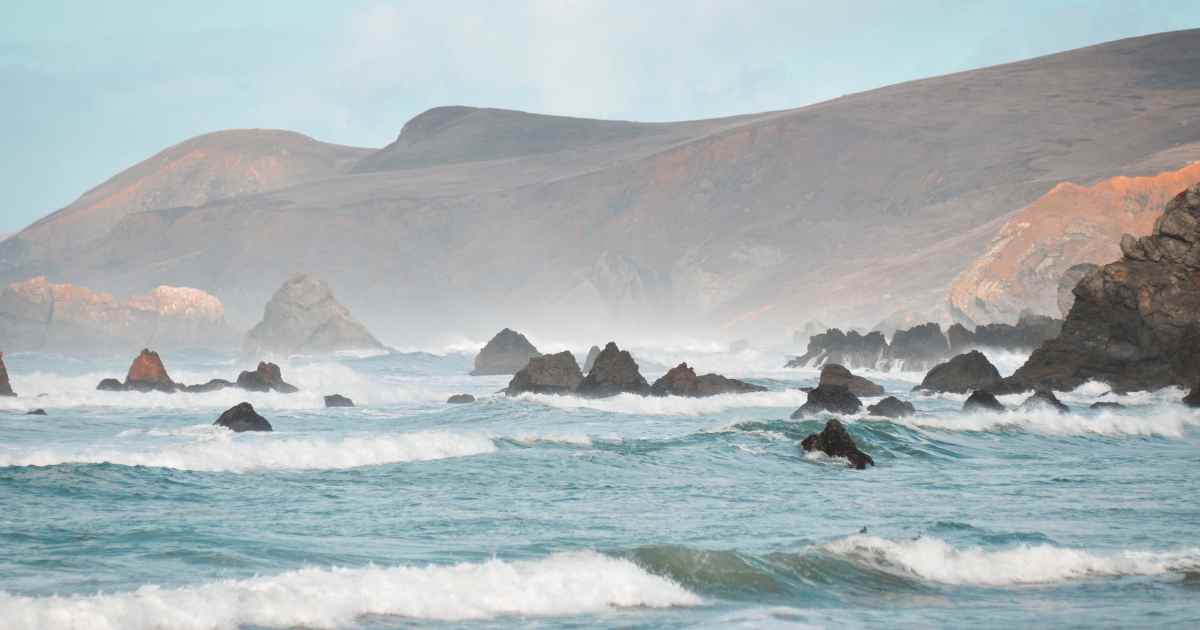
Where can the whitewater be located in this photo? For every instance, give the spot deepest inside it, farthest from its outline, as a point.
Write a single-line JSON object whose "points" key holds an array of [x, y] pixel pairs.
{"points": [[125, 510]]}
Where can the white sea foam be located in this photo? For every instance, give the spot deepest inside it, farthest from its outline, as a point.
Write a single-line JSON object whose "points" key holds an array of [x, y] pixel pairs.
{"points": [[1156, 421], [561, 584], [936, 560], [552, 438], [229, 452], [673, 405]]}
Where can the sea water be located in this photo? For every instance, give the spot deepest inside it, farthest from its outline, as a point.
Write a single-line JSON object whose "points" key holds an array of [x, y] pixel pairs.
{"points": [[131, 511]]}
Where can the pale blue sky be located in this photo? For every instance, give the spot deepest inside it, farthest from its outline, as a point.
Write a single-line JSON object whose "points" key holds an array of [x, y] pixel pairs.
{"points": [[91, 88]]}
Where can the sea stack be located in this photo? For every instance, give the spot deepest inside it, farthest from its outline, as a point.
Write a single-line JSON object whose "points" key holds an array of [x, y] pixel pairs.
{"points": [[828, 398], [834, 374], [835, 441], [506, 353], [5, 386], [147, 373], [265, 378], [547, 374], [615, 372], [682, 380], [304, 317], [241, 418]]}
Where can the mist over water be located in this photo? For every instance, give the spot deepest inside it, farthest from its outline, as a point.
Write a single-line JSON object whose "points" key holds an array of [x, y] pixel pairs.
{"points": [[128, 510]]}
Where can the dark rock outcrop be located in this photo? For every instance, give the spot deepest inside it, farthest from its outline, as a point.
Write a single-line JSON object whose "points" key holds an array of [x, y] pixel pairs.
{"points": [[111, 385], [1043, 399], [892, 407], [215, 385], [615, 372], [1067, 283], [1027, 334], [265, 378], [851, 349], [835, 441], [547, 374], [242, 417], [147, 374], [834, 374], [962, 374], [1193, 399], [681, 380], [36, 412], [460, 399], [961, 340], [828, 398], [5, 386], [338, 400], [303, 317], [506, 353], [593, 352], [918, 348], [983, 401]]}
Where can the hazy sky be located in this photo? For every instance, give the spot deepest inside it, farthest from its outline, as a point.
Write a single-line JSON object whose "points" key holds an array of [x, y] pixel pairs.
{"points": [[90, 88]]}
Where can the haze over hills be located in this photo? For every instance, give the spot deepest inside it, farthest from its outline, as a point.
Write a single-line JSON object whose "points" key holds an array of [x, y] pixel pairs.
{"points": [[473, 219]]}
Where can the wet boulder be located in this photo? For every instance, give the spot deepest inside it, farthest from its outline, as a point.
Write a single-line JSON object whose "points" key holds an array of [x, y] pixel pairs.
{"points": [[506, 353], [834, 374], [892, 407], [338, 400], [460, 399], [963, 373], [5, 387], [1043, 399], [682, 380], [828, 398], [242, 417], [615, 372], [547, 374], [981, 400], [147, 374], [265, 378], [835, 441]]}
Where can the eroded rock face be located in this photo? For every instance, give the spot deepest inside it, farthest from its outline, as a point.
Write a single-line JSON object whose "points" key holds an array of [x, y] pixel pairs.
{"points": [[547, 374], [241, 418], [892, 407], [962, 374], [1135, 323], [506, 353], [338, 400], [682, 380], [1030, 332], [615, 372], [5, 386], [147, 373], [1066, 286], [265, 378], [983, 401], [828, 398], [304, 317], [833, 374], [835, 441], [851, 349], [918, 348]]}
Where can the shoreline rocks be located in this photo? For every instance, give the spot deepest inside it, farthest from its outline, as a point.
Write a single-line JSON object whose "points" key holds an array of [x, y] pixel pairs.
{"points": [[241, 418], [828, 398], [851, 349], [918, 348], [1043, 399], [5, 387], [304, 317], [337, 400], [681, 380], [835, 441], [615, 372], [147, 373], [980, 400], [547, 374], [961, 374], [892, 407], [505, 353], [460, 399], [834, 374]]}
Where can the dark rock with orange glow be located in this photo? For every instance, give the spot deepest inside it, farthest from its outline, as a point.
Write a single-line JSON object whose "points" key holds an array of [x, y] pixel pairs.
{"points": [[147, 373]]}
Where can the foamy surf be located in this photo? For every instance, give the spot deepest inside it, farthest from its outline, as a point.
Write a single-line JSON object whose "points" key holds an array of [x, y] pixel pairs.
{"points": [[936, 560], [562, 584], [1169, 422], [222, 451], [673, 405]]}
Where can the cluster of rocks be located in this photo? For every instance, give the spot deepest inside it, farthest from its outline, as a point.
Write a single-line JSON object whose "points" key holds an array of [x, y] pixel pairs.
{"points": [[838, 392], [1030, 332]]}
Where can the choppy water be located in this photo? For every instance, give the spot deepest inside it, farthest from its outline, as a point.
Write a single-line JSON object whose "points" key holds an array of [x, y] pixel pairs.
{"points": [[129, 511]]}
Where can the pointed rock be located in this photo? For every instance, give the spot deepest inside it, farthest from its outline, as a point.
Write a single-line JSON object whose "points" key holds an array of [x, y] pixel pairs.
{"points": [[835, 441], [591, 359], [834, 374], [242, 417], [304, 317], [547, 374], [5, 386], [147, 373], [267, 377], [506, 353], [1044, 399], [615, 372], [983, 401]]}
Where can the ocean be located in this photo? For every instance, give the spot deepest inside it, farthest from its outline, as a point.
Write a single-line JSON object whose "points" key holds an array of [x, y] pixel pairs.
{"points": [[131, 511]]}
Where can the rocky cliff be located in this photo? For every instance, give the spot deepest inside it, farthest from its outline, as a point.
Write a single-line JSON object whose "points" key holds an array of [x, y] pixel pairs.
{"points": [[304, 317]]}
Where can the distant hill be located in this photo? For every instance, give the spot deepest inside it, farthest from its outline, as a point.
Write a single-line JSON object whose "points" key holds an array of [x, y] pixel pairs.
{"points": [[843, 211]]}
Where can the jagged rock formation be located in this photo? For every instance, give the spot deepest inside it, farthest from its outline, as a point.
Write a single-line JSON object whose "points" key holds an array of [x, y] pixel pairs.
{"points": [[1066, 286], [828, 398], [1030, 332], [214, 385], [547, 374], [265, 378], [304, 317], [506, 353], [681, 380], [918, 348], [1136, 322], [833, 374], [615, 372], [242, 417], [147, 373], [460, 399], [851, 349], [835, 441], [963, 373], [38, 315], [338, 400], [1043, 399], [5, 387], [892, 407], [981, 400], [593, 352]]}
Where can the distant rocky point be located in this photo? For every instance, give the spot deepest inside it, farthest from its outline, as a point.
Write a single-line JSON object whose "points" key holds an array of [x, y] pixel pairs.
{"points": [[506, 353], [304, 317]]}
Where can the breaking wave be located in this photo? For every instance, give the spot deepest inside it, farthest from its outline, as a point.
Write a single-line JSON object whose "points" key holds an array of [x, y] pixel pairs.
{"points": [[1157, 422], [673, 405], [561, 584]]}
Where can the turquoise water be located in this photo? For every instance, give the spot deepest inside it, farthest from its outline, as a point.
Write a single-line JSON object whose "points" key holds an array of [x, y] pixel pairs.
{"points": [[129, 511]]}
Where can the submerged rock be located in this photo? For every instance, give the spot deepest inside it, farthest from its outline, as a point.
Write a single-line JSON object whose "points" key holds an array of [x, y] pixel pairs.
{"points": [[962, 374], [265, 378], [835, 441], [147, 373], [215, 385], [5, 386], [828, 398], [849, 349], [615, 372], [982, 401], [110, 385], [593, 352], [506, 353], [460, 399], [1044, 399], [547, 374], [681, 380], [1106, 405], [834, 374], [338, 400], [242, 417], [892, 407], [36, 412], [304, 317]]}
